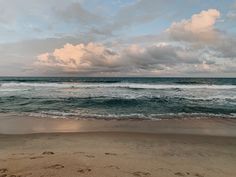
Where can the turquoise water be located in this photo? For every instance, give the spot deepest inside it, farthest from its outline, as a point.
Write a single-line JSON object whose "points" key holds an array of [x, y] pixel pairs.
{"points": [[119, 98]]}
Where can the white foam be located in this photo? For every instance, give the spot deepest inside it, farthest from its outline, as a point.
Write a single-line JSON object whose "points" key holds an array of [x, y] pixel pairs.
{"points": [[160, 116], [116, 85]]}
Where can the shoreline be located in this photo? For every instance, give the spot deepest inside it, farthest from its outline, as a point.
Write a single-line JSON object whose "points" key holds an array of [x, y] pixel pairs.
{"points": [[13, 124]]}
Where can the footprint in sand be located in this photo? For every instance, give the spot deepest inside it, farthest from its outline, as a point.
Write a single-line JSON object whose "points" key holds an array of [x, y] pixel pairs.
{"points": [[182, 174], [90, 156], [85, 170], [48, 153], [56, 166], [112, 166], [3, 175], [198, 175], [187, 173], [141, 174], [107, 153], [179, 174], [36, 157], [3, 170], [18, 154]]}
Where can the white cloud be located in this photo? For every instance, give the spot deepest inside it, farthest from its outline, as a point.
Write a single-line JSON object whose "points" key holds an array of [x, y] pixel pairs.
{"points": [[96, 58], [199, 28], [79, 58]]}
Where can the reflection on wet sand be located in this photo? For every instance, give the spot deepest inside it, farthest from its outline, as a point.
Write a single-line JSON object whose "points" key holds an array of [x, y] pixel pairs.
{"points": [[12, 124]]}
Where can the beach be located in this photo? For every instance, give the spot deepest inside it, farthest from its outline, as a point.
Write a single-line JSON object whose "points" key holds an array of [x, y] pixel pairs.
{"points": [[117, 127], [102, 148], [120, 88]]}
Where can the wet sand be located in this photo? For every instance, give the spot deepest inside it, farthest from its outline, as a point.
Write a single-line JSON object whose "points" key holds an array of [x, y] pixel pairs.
{"points": [[197, 148], [14, 124]]}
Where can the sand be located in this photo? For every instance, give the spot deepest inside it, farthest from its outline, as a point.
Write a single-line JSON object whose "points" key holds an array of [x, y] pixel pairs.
{"points": [[120, 153]]}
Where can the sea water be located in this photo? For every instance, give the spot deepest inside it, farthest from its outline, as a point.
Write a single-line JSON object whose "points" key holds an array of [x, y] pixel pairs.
{"points": [[118, 98]]}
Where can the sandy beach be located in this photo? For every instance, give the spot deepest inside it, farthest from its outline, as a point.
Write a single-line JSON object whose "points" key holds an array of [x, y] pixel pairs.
{"points": [[117, 88], [128, 151]]}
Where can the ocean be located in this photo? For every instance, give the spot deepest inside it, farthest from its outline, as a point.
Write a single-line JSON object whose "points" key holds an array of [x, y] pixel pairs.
{"points": [[118, 98]]}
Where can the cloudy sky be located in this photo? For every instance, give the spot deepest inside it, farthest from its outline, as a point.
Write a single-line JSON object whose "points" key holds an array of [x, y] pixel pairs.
{"points": [[118, 38]]}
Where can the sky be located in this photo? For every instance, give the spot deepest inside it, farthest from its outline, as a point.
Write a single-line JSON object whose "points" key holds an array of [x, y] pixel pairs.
{"points": [[194, 38]]}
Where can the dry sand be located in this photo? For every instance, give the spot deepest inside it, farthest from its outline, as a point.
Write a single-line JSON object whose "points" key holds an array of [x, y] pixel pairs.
{"points": [[120, 153]]}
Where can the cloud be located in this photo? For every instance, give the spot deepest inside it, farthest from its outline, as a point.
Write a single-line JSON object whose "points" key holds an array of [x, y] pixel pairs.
{"points": [[199, 28], [192, 46], [80, 58], [225, 47], [137, 12], [51, 18], [140, 12], [87, 44], [74, 12], [94, 58], [201, 32]]}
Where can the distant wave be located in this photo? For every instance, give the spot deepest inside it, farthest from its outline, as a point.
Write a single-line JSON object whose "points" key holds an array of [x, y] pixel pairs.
{"points": [[123, 98], [119, 85], [59, 80]]}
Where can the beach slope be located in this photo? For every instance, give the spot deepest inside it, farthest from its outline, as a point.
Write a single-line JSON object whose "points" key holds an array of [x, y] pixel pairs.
{"points": [[118, 154]]}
